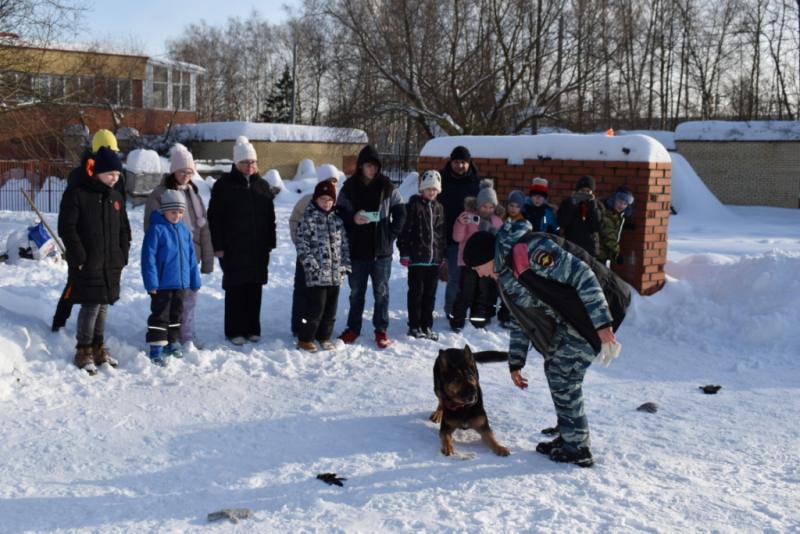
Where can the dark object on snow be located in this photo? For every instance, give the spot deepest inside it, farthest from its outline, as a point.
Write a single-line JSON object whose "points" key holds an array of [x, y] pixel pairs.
{"points": [[649, 407], [551, 431], [3, 257], [710, 389], [231, 514], [331, 479]]}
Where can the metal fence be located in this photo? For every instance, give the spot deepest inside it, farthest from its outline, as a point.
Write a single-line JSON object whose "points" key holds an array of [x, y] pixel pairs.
{"points": [[44, 181], [397, 166]]}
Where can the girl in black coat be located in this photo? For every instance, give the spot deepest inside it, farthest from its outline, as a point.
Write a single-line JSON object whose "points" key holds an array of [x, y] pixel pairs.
{"points": [[241, 218], [93, 224]]}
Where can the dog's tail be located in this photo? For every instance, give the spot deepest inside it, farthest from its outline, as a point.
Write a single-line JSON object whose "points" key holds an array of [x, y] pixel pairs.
{"points": [[489, 356]]}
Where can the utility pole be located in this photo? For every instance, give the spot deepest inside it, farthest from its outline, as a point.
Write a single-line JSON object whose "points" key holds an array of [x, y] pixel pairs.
{"points": [[294, 74]]}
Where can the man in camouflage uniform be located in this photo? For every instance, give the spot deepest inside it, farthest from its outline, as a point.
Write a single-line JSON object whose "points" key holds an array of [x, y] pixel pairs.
{"points": [[567, 329]]}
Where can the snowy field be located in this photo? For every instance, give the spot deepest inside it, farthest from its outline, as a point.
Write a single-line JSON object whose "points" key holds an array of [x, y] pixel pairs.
{"points": [[145, 449]]}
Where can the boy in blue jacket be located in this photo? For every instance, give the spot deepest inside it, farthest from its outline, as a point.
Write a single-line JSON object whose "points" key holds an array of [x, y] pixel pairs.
{"points": [[169, 267]]}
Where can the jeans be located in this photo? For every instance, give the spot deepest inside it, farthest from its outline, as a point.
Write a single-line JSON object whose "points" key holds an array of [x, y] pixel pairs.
{"points": [[379, 271], [298, 297], [91, 324], [453, 277]]}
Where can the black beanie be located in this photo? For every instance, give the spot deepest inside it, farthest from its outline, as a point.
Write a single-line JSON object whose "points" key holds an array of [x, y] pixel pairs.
{"points": [[585, 181], [462, 153], [479, 249], [106, 160]]}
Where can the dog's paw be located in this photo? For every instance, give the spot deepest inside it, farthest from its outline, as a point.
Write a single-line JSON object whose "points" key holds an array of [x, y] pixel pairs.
{"points": [[448, 451], [436, 416], [502, 451]]}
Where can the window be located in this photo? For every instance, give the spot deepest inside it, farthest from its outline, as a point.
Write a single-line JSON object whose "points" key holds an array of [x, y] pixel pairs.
{"points": [[181, 90], [125, 93], [160, 87]]}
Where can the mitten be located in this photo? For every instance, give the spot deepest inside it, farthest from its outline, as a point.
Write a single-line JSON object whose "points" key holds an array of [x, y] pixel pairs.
{"points": [[405, 262]]}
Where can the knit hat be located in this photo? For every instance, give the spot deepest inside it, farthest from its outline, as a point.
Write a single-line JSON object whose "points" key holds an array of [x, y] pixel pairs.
{"points": [[486, 195], [624, 194], [431, 180], [461, 153], [539, 186], [516, 197], [243, 150], [180, 158], [585, 181], [479, 249], [325, 188], [172, 200], [104, 138], [106, 160], [326, 171]]}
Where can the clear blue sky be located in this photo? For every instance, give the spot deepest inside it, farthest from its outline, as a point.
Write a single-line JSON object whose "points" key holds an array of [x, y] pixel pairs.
{"points": [[149, 23]]}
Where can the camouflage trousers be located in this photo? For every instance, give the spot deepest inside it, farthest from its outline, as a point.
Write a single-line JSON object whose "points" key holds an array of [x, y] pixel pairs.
{"points": [[565, 366]]}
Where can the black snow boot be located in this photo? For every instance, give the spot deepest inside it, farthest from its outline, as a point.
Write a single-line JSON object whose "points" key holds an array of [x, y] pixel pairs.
{"points": [[582, 457], [545, 447]]}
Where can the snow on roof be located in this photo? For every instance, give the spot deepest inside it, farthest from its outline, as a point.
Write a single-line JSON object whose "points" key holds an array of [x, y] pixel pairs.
{"points": [[738, 131], [259, 131], [516, 149], [664, 137]]}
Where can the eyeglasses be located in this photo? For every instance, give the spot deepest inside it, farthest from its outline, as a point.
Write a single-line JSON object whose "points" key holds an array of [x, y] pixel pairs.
{"points": [[184, 172], [248, 162]]}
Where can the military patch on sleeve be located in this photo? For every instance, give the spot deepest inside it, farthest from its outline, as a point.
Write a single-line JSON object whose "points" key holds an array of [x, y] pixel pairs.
{"points": [[543, 259]]}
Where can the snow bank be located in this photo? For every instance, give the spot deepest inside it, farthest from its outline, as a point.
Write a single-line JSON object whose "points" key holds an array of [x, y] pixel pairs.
{"points": [[690, 196], [143, 161], [518, 148], [229, 131], [738, 131], [410, 185], [305, 169]]}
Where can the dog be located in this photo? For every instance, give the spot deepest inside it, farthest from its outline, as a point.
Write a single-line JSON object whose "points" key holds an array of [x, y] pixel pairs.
{"points": [[456, 385]]}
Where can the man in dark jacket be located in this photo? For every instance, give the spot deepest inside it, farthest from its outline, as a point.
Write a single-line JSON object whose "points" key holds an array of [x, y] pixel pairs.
{"points": [[373, 213], [241, 217], [102, 138], [459, 180], [557, 304], [93, 225], [580, 216]]}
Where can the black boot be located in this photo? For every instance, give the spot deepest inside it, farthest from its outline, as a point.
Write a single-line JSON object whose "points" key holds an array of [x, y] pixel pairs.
{"points": [[582, 456], [545, 447]]}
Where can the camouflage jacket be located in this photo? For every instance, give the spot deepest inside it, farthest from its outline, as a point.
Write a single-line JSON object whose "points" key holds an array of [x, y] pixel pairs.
{"points": [[533, 320], [610, 230]]}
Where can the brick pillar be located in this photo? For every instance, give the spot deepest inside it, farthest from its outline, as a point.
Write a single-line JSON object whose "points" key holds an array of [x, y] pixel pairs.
{"points": [[644, 246]]}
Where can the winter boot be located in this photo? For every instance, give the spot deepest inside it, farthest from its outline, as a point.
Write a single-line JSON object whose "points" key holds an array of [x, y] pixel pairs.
{"points": [[416, 333], [327, 344], [174, 349], [430, 334], [348, 337], [157, 355], [101, 356], [546, 447], [382, 340], [308, 346], [582, 456], [84, 359]]}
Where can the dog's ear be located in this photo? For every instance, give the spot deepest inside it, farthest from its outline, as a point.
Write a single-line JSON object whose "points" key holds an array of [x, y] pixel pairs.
{"points": [[467, 350]]}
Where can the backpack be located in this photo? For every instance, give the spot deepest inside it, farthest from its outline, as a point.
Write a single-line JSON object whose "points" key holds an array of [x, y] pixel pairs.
{"points": [[564, 298]]}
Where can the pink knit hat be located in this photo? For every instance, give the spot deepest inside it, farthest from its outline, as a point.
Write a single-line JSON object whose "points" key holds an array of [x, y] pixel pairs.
{"points": [[180, 158]]}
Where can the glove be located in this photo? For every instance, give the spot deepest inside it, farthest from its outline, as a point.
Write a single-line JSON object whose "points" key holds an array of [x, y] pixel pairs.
{"points": [[331, 479], [405, 262], [620, 260], [608, 352]]}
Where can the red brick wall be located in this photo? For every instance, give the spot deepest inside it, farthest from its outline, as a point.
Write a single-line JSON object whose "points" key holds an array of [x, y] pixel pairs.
{"points": [[651, 186]]}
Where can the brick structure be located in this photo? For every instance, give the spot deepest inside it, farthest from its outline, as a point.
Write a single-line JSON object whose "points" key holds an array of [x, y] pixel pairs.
{"points": [[644, 247]]}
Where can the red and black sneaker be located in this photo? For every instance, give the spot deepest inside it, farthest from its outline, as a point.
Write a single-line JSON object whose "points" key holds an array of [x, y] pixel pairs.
{"points": [[348, 337], [382, 340]]}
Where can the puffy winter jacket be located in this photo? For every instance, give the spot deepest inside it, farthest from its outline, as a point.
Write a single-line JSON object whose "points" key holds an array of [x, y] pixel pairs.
{"points": [[168, 258], [322, 247], [611, 231], [93, 225], [423, 240], [455, 190], [542, 218], [462, 232], [580, 221], [241, 216]]}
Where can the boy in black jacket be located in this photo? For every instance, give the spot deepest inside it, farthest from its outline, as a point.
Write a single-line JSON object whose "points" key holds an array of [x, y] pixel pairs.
{"points": [[580, 217], [422, 245], [93, 225]]}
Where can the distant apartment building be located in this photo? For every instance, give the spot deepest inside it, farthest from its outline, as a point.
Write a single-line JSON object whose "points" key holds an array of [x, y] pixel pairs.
{"points": [[49, 96]]}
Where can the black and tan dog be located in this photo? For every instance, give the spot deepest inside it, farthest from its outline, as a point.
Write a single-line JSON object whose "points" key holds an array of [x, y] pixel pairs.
{"points": [[455, 382]]}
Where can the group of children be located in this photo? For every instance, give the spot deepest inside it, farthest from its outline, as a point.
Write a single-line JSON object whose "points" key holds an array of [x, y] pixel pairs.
{"points": [[177, 247]]}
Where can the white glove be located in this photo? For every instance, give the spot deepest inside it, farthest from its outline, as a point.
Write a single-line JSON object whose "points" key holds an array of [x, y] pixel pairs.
{"points": [[608, 352]]}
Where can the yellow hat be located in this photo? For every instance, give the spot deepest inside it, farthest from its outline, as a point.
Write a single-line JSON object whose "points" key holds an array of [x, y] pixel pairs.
{"points": [[104, 138]]}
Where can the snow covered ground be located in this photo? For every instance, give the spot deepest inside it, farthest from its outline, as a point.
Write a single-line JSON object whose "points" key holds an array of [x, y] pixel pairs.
{"points": [[142, 449]]}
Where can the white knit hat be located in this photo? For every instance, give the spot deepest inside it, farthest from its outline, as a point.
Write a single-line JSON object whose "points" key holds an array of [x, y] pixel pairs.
{"points": [[243, 150], [326, 171], [180, 158], [431, 180]]}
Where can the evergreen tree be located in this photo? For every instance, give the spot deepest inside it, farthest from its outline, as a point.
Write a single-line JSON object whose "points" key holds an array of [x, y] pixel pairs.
{"points": [[278, 105]]}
